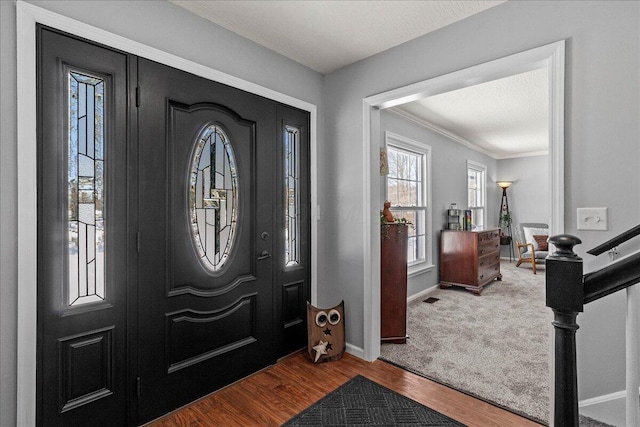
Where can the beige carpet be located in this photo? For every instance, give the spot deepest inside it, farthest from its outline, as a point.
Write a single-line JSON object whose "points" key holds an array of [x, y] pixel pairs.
{"points": [[494, 346]]}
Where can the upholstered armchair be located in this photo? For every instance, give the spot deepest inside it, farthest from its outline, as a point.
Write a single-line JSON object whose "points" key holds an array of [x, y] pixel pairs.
{"points": [[531, 243]]}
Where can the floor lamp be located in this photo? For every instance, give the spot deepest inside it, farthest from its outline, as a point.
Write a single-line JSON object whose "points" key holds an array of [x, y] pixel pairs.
{"points": [[505, 218]]}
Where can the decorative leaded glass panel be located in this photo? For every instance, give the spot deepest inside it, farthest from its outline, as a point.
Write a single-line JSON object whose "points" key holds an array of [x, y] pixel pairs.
{"points": [[292, 195], [86, 188], [213, 199]]}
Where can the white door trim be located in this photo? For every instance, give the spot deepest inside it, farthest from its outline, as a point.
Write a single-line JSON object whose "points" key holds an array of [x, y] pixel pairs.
{"points": [[550, 56], [28, 16]]}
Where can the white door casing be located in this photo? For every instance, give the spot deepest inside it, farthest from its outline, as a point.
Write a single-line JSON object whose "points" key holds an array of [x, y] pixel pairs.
{"points": [[552, 57]]}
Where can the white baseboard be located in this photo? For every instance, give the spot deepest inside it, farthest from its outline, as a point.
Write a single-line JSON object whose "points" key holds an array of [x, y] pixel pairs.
{"points": [[602, 399], [355, 351], [421, 293], [609, 408], [359, 352]]}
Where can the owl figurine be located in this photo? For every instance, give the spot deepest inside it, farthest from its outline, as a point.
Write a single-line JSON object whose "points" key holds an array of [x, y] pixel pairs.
{"points": [[325, 329]]}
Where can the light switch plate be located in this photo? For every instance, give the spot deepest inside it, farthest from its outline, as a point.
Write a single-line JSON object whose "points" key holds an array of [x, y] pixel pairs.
{"points": [[592, 219]]}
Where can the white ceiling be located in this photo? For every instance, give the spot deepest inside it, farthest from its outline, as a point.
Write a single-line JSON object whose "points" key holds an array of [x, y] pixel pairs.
{"points": [[328, 35], [504, 118]]}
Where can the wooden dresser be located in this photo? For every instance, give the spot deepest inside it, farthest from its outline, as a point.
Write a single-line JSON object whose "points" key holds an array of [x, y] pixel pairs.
{"points": [[469, 258]]}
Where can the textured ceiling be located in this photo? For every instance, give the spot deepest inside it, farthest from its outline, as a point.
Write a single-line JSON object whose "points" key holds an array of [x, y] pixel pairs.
{"points": [[327, 35], [504, 118]]}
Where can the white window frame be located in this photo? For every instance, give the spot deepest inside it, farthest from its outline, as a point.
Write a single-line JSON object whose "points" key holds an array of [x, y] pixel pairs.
{"points": [[479, 167], [403, 143]]}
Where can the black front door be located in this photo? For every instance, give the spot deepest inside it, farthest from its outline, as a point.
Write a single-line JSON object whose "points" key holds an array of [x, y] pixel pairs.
{"points": [[206, 214], [173, 234]]}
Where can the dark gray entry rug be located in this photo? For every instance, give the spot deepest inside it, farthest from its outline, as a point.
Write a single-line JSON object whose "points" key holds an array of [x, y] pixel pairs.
{"points": [[362, 402]]}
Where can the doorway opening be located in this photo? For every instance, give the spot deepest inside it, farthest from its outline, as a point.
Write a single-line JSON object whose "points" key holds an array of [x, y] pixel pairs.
{"points": [[550, 57]]}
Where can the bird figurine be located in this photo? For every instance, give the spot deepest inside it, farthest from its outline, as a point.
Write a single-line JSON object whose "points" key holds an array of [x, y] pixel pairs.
{"points": [[386, 212]]}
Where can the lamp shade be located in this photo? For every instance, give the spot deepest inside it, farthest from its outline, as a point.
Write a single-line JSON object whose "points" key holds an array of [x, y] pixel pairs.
{"points": [[504, 184]]}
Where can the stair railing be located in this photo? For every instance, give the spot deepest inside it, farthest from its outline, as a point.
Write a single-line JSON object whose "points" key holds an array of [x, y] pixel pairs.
{"points": [[567, 291]]}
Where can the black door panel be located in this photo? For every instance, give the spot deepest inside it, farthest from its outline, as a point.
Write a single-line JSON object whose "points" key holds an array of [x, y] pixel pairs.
{"points": [[216, 326], [82, 324]]}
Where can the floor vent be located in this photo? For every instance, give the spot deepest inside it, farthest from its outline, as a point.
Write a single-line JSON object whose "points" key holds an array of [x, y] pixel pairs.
{"points": [[431, 300]]}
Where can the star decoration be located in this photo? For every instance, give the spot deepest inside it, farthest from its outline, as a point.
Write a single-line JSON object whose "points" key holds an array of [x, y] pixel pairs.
{"points": [[320, 349], [327, 331], [329, 346]]}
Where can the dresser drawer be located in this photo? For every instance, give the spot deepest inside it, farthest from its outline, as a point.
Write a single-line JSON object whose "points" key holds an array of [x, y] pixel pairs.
{"points": [[487, 260], [488, 236], [488, 272], [486, 248]]}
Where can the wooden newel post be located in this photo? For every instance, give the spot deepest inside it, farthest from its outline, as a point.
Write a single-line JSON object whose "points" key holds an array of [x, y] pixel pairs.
{"points": [[565, 296]]}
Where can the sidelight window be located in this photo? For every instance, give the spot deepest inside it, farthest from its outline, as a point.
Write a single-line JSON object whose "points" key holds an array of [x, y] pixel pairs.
{"points": [[292, 195], [86, 192], [213, 198]]}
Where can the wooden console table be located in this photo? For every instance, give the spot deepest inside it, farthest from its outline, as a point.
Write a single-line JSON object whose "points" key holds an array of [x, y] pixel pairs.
{"points": [[470, 259]]}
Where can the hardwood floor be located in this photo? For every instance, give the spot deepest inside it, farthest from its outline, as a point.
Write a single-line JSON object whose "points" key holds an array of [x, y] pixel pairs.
{"points": [[275, 394]]}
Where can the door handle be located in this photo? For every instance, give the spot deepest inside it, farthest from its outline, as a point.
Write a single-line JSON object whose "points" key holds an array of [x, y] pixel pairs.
{"points": [[264, 255]]}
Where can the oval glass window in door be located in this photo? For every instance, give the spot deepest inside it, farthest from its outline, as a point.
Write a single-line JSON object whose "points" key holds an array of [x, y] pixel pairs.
{"points": [[213, 199]]}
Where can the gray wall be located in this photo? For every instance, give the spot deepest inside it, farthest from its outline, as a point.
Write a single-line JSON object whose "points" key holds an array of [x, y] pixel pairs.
{"points": [[601, 129], [448, 181], [8, 201], [602, 107], [529, 194], [159, 24]]}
